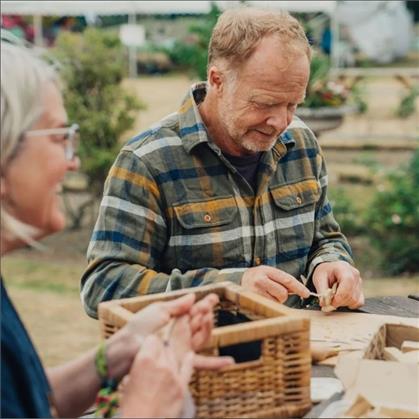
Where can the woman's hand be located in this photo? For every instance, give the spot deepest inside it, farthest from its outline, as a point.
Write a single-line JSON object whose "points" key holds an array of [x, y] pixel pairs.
{"points": [[158, 381], [124, 345], [202, 320], [179, 337], [155, 316], [159, 377]]}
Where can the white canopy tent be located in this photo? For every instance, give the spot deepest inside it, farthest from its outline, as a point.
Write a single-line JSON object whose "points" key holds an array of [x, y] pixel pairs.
{"points": [[79, 8], [90, 9], [365, 14]]}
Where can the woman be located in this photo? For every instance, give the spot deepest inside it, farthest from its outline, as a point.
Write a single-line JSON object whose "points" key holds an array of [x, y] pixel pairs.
{"points": [[37, 149]]}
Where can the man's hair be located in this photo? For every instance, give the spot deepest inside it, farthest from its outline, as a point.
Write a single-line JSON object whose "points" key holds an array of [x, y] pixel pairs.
{"points": [[238, 32], [23, 78]]}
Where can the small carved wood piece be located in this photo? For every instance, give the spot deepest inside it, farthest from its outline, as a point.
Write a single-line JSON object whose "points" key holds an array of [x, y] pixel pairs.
{"points": [[327, 297]]}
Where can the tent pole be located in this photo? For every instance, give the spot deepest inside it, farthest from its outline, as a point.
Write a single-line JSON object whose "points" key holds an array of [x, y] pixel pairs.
{"points": [[132, 51], [335, 40], [37, 24]]}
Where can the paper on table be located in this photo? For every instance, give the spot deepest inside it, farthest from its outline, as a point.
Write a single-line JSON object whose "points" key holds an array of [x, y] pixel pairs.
{"points": [[377, 380], [323, 388], [347, 331], [362, 408]]}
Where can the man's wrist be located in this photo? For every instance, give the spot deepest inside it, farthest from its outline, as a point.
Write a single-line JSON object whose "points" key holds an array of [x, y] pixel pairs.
{"points": [[234, 275]]}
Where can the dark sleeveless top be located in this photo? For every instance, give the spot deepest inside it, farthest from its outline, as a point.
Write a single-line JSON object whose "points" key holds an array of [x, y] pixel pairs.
{"points": [[24, 386]]}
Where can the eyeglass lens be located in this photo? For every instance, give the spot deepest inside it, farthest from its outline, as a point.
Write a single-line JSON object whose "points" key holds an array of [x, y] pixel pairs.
{"points": [[72, 143]]}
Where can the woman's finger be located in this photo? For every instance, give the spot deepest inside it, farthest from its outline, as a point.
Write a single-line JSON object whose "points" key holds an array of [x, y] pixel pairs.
{"points": [[180, 305], [187, 368], [212, 362], [205, 304], [203, 334], [196, 322]]}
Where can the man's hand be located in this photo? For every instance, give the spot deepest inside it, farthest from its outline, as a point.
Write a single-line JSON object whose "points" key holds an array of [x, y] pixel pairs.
{"points": [[273, 283], [349, 291]]}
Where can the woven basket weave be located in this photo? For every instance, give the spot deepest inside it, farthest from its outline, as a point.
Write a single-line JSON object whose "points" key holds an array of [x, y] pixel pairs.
{"points": [[275, 385]]}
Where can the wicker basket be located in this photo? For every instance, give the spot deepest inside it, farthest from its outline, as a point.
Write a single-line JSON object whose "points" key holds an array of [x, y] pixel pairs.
{"points": [[390, 335], [275, 385]]}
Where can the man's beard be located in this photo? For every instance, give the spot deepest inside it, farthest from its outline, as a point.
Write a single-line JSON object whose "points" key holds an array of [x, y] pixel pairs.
{"points": [[253, 145], [243, 139]]}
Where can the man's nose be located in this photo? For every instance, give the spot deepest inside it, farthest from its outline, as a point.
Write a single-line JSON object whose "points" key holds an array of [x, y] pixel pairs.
{"points": [[279, 119]]}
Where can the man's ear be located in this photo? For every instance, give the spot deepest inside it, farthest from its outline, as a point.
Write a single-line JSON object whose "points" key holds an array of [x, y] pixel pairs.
{"points": [[216, 79]]}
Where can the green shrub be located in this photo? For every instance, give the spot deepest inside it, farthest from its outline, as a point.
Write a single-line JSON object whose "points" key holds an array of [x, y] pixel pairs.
{"points": [[192, 54], [393, 220], [93, 66], [407, 105], [345, 213], [357, 98]]}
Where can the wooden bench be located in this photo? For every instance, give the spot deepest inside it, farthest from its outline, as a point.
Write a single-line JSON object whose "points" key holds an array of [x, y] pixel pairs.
{"points": [[350, 76]]}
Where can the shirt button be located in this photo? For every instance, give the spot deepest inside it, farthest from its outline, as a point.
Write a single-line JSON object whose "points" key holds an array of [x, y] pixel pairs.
{"points": [[299, 200], [207, 218], [258, 261]]}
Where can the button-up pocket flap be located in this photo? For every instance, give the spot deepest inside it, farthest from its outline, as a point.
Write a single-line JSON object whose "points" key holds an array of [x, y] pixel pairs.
{"points": [[212, 213], [296, 195]]}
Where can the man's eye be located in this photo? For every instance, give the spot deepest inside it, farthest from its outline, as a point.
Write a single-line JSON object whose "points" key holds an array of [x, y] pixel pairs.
{"points": [[261, 105]]}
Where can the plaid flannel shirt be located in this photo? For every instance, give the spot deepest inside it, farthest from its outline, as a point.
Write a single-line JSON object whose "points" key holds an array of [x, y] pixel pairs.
{"points": [[175, 213]]}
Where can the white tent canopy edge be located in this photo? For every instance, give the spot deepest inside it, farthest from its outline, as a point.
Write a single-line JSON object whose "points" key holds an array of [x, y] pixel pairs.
{"points": [[79, 8]]}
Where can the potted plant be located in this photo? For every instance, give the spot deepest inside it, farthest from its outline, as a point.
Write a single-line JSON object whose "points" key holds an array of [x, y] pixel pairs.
{"points": [[326, 101]]}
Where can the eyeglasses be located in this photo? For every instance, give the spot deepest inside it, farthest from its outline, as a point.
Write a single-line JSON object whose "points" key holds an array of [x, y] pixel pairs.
{"points": [[70, 134]]}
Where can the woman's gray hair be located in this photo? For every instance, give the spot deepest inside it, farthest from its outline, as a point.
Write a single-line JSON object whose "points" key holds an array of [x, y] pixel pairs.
{"points": [[23, 78]]}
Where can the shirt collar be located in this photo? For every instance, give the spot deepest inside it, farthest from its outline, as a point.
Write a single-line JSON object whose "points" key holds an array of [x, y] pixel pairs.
{"points": [[192, 129]]}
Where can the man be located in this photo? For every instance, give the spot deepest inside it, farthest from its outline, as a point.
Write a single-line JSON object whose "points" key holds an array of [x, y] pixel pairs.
{"points": [[230, 187]]}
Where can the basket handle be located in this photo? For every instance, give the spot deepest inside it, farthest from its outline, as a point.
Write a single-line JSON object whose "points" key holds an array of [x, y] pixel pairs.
{"points": [[121, 315]]}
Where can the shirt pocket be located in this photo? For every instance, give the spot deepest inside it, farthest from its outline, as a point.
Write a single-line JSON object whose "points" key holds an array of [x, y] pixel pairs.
{"points": [[207, 234], [294, 216]]}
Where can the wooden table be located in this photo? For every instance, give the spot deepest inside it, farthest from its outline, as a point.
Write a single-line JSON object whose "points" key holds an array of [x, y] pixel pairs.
{"points": [[394, 306]]}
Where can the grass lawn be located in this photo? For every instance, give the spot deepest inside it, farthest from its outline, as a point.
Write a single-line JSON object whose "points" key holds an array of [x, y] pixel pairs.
{"points": [[46, 294]]}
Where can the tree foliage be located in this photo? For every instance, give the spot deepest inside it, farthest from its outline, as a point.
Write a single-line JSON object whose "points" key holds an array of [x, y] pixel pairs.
{"points": [[192, 54], [92, 68], [345, 212], [407, 104], [393, 220]]}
